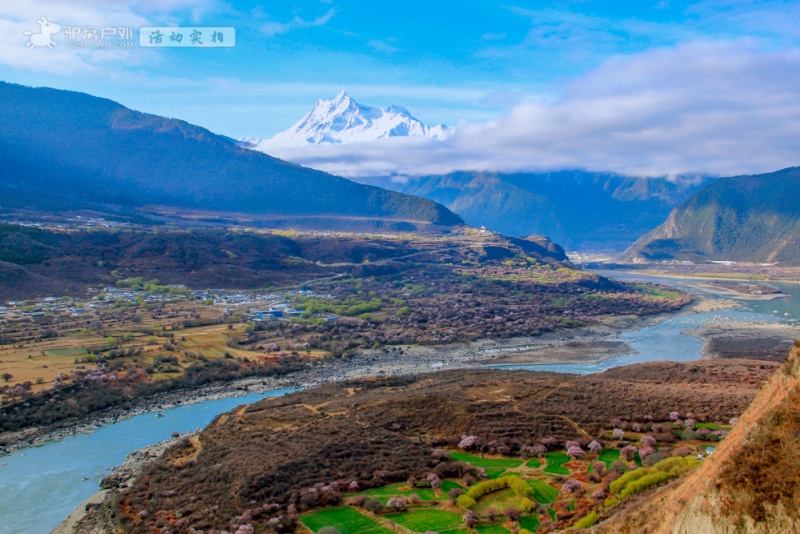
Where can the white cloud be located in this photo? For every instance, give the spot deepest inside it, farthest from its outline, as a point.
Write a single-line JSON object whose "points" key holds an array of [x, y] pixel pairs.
{"points": [[720, 108], [278, 28], [19, 17]]}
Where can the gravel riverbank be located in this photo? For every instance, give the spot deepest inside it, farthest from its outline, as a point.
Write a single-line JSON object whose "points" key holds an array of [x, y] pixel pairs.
{"points": [[761, 340]]}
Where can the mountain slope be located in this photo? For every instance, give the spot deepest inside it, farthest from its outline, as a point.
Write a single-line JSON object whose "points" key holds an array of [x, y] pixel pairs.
{"points": [[343, 120], [88, 149], [745, 218], [579, 210]]}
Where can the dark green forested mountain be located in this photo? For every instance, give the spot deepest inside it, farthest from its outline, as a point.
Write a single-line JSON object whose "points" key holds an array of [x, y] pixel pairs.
{"points": [[71, 149], [579, 210], [745, 218]]}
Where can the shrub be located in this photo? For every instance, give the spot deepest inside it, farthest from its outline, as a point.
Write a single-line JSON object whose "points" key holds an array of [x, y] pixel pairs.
{"points": [[587, 521], [465, 501], [625, 479], [454, 494], [646, 482], [644, 478], [618, 466], [373, 505], [526, 505], [519, 487]]}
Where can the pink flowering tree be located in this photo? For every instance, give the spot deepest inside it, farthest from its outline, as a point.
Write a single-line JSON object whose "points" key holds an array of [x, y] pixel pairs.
{"points": [[646, 451], [537, 449], [435, 481], [576, 451], [628, 452], [683, 450], [571, 485], [618, 433], [467, 442], [470, 518], [595, 447], [397, 503], [648, 441], [674, 416], [549, 442]]}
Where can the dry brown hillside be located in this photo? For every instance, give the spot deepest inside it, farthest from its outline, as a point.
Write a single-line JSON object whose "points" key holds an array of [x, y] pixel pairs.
{"points": [[749, 485]]}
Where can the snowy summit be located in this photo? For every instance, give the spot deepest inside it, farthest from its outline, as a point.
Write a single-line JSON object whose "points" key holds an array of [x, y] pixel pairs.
{"points": [[343, 120]]}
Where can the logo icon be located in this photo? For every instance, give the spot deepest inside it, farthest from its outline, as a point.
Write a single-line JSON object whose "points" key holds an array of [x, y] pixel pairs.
{"points": [[45, 36]]}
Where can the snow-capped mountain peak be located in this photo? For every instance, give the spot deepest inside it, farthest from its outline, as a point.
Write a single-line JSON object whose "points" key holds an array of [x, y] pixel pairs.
{"points": [[343, 120]]}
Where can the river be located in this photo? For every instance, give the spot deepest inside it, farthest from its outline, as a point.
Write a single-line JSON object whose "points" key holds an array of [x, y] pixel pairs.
{"points": [[40, 487], [666, 340]]}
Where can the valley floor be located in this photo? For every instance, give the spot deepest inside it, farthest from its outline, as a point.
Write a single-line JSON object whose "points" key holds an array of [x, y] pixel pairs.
{"points": [[581, 345]]}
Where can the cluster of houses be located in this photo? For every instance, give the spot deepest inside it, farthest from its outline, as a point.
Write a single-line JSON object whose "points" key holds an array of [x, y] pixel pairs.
{"points": [[77, 222], [259, 306]]}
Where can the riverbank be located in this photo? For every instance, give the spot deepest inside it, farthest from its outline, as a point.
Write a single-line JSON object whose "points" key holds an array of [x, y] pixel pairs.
{"points": [[754, 340], [721, 276], [93, 516], [589, 344]]}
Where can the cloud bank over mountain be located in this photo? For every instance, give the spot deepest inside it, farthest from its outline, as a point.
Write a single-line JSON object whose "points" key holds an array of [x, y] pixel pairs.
{"points": [[718, 108]]}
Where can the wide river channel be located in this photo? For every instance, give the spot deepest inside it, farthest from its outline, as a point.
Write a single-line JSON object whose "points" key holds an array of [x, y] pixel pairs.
{"points": [[41, 486]]}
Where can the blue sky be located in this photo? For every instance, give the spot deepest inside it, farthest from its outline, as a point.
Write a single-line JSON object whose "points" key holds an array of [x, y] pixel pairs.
{"points": [[466, 61]]}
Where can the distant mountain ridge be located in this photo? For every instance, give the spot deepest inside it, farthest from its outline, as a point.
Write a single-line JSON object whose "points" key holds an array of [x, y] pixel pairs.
{"points": [[76, 148], [744, 218], [343, 120], [585, 211]]}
